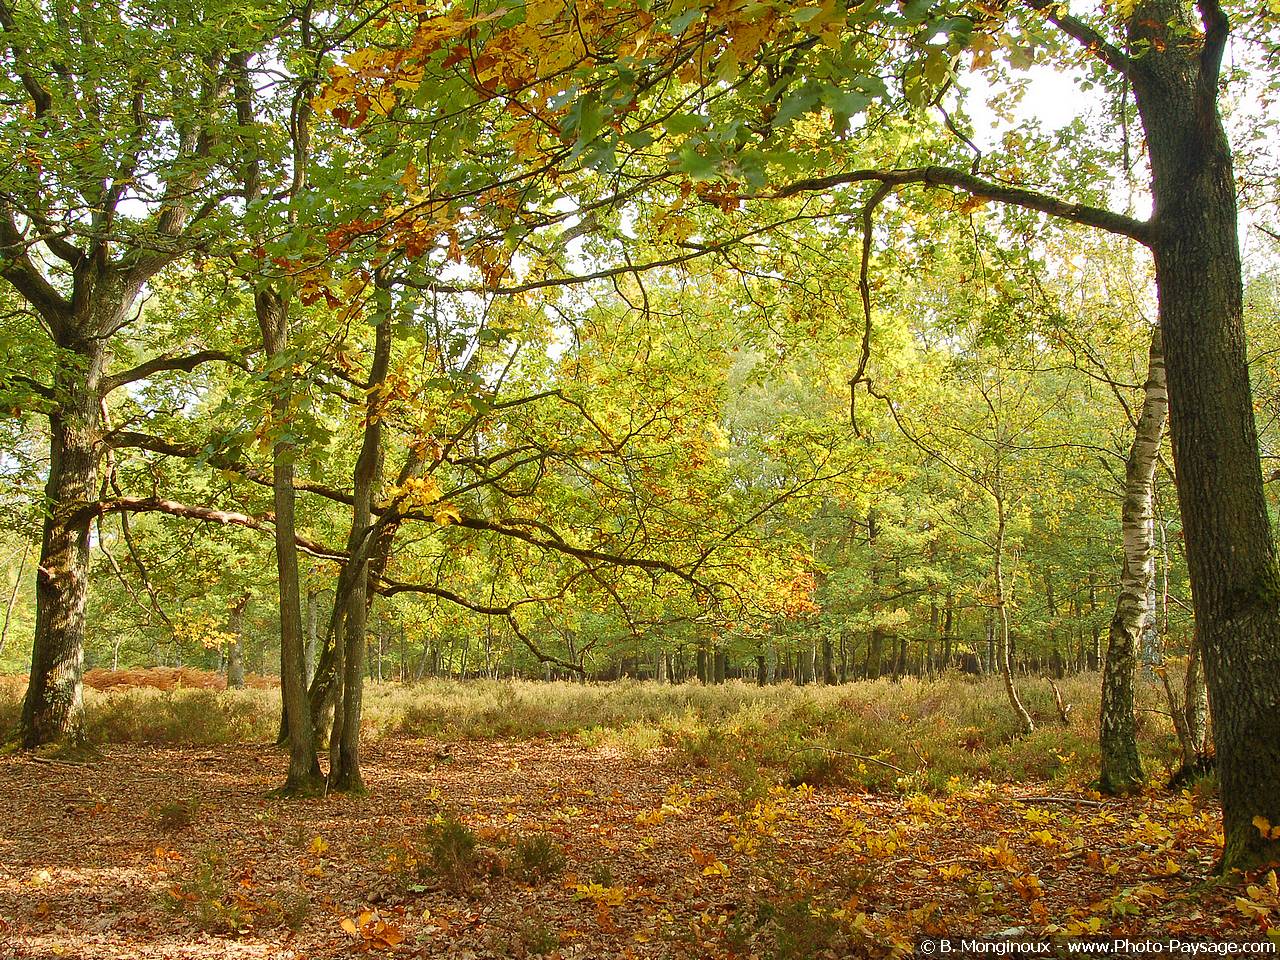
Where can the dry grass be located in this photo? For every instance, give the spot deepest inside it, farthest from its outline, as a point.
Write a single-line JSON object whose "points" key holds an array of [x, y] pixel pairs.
{"points": [[170, 678], [913, 734]]}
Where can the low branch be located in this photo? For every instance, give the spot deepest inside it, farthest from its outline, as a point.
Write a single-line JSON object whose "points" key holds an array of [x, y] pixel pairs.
{"points": [[160, 364], [120, 439], [508, 528], [32, 384], [977, 186], [173, 508], [389, 588]]}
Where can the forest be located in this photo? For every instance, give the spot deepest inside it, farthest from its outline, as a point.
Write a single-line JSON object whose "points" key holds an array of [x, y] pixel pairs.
{"points": [[637, 478]]}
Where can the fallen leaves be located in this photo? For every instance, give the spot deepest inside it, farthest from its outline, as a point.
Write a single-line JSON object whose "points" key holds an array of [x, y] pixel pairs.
{"points": [[1261, 902], [662, 861], [373, 931]]}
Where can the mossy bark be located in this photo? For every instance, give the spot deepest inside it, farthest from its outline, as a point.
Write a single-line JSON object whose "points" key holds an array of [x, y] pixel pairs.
{"points": [[1231, 555]]}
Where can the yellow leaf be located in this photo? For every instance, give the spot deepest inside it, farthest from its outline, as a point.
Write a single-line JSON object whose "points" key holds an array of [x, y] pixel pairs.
{"points": [[1266, 829], [715, 869], [349, 925], [446, 514], [319, 845]]}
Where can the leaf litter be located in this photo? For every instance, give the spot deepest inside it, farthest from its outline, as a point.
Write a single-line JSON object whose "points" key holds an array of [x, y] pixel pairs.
{"points": [[549, 848]]}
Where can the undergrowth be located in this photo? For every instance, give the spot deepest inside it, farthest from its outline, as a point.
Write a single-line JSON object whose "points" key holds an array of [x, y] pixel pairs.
{"points": [[907, 735]]}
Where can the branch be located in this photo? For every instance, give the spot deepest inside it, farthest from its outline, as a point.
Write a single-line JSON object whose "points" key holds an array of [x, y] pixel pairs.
{"points": [[25, 277], [390, 588], [1216, 29], [173, 508], [980, 187], [32, 384], [543, 657], [38, 93], [507, 529], [864, 290], [162, 363], [1084, 34], [120, 439]]}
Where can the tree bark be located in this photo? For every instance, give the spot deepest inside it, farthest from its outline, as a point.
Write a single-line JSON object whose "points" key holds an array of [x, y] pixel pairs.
{"points": [[367, 476], [54, 697], [1004, 650], [235, 655], [304, 766], [1230, 549], [1121, 764]]}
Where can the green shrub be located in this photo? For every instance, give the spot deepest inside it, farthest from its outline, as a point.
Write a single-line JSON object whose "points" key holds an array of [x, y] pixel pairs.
{"points": [[204, 893], [447, 852], [536, 859], [175, 816]]}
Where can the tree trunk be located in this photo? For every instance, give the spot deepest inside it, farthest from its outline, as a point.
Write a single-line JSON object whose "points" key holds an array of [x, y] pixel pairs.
{"points": [[1095, 632], [806, 664], [304, 766], [1195, 706], [1121, 766], [1230, 549], [1057, 662], [235, 655], [13, 596], [1004, 649], [54, 697], [313, 635], [875, 645], [935, 621], [948, 613], [361, 543]]}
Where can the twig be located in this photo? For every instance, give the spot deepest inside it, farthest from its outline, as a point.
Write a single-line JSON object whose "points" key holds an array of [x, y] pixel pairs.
{"points": [[854, 756], [1082, 801]]}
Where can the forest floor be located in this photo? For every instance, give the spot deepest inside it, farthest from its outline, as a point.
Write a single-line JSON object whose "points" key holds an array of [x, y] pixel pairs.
{"points": [[159, 853]]}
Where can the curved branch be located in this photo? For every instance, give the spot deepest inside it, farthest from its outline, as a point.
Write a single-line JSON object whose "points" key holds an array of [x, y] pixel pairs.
{"points": [[977, 186], [88, 511], [864, 291], [162, 363], [389, 588]]}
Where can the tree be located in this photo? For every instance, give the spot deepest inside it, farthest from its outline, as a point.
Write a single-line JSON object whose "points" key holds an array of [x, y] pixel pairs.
{"points": [[752, 72], [1121, 766], [117, 144]]}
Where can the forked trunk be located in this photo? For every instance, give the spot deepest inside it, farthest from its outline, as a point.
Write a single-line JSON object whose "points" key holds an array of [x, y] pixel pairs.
{"points": [[344, 749]]}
